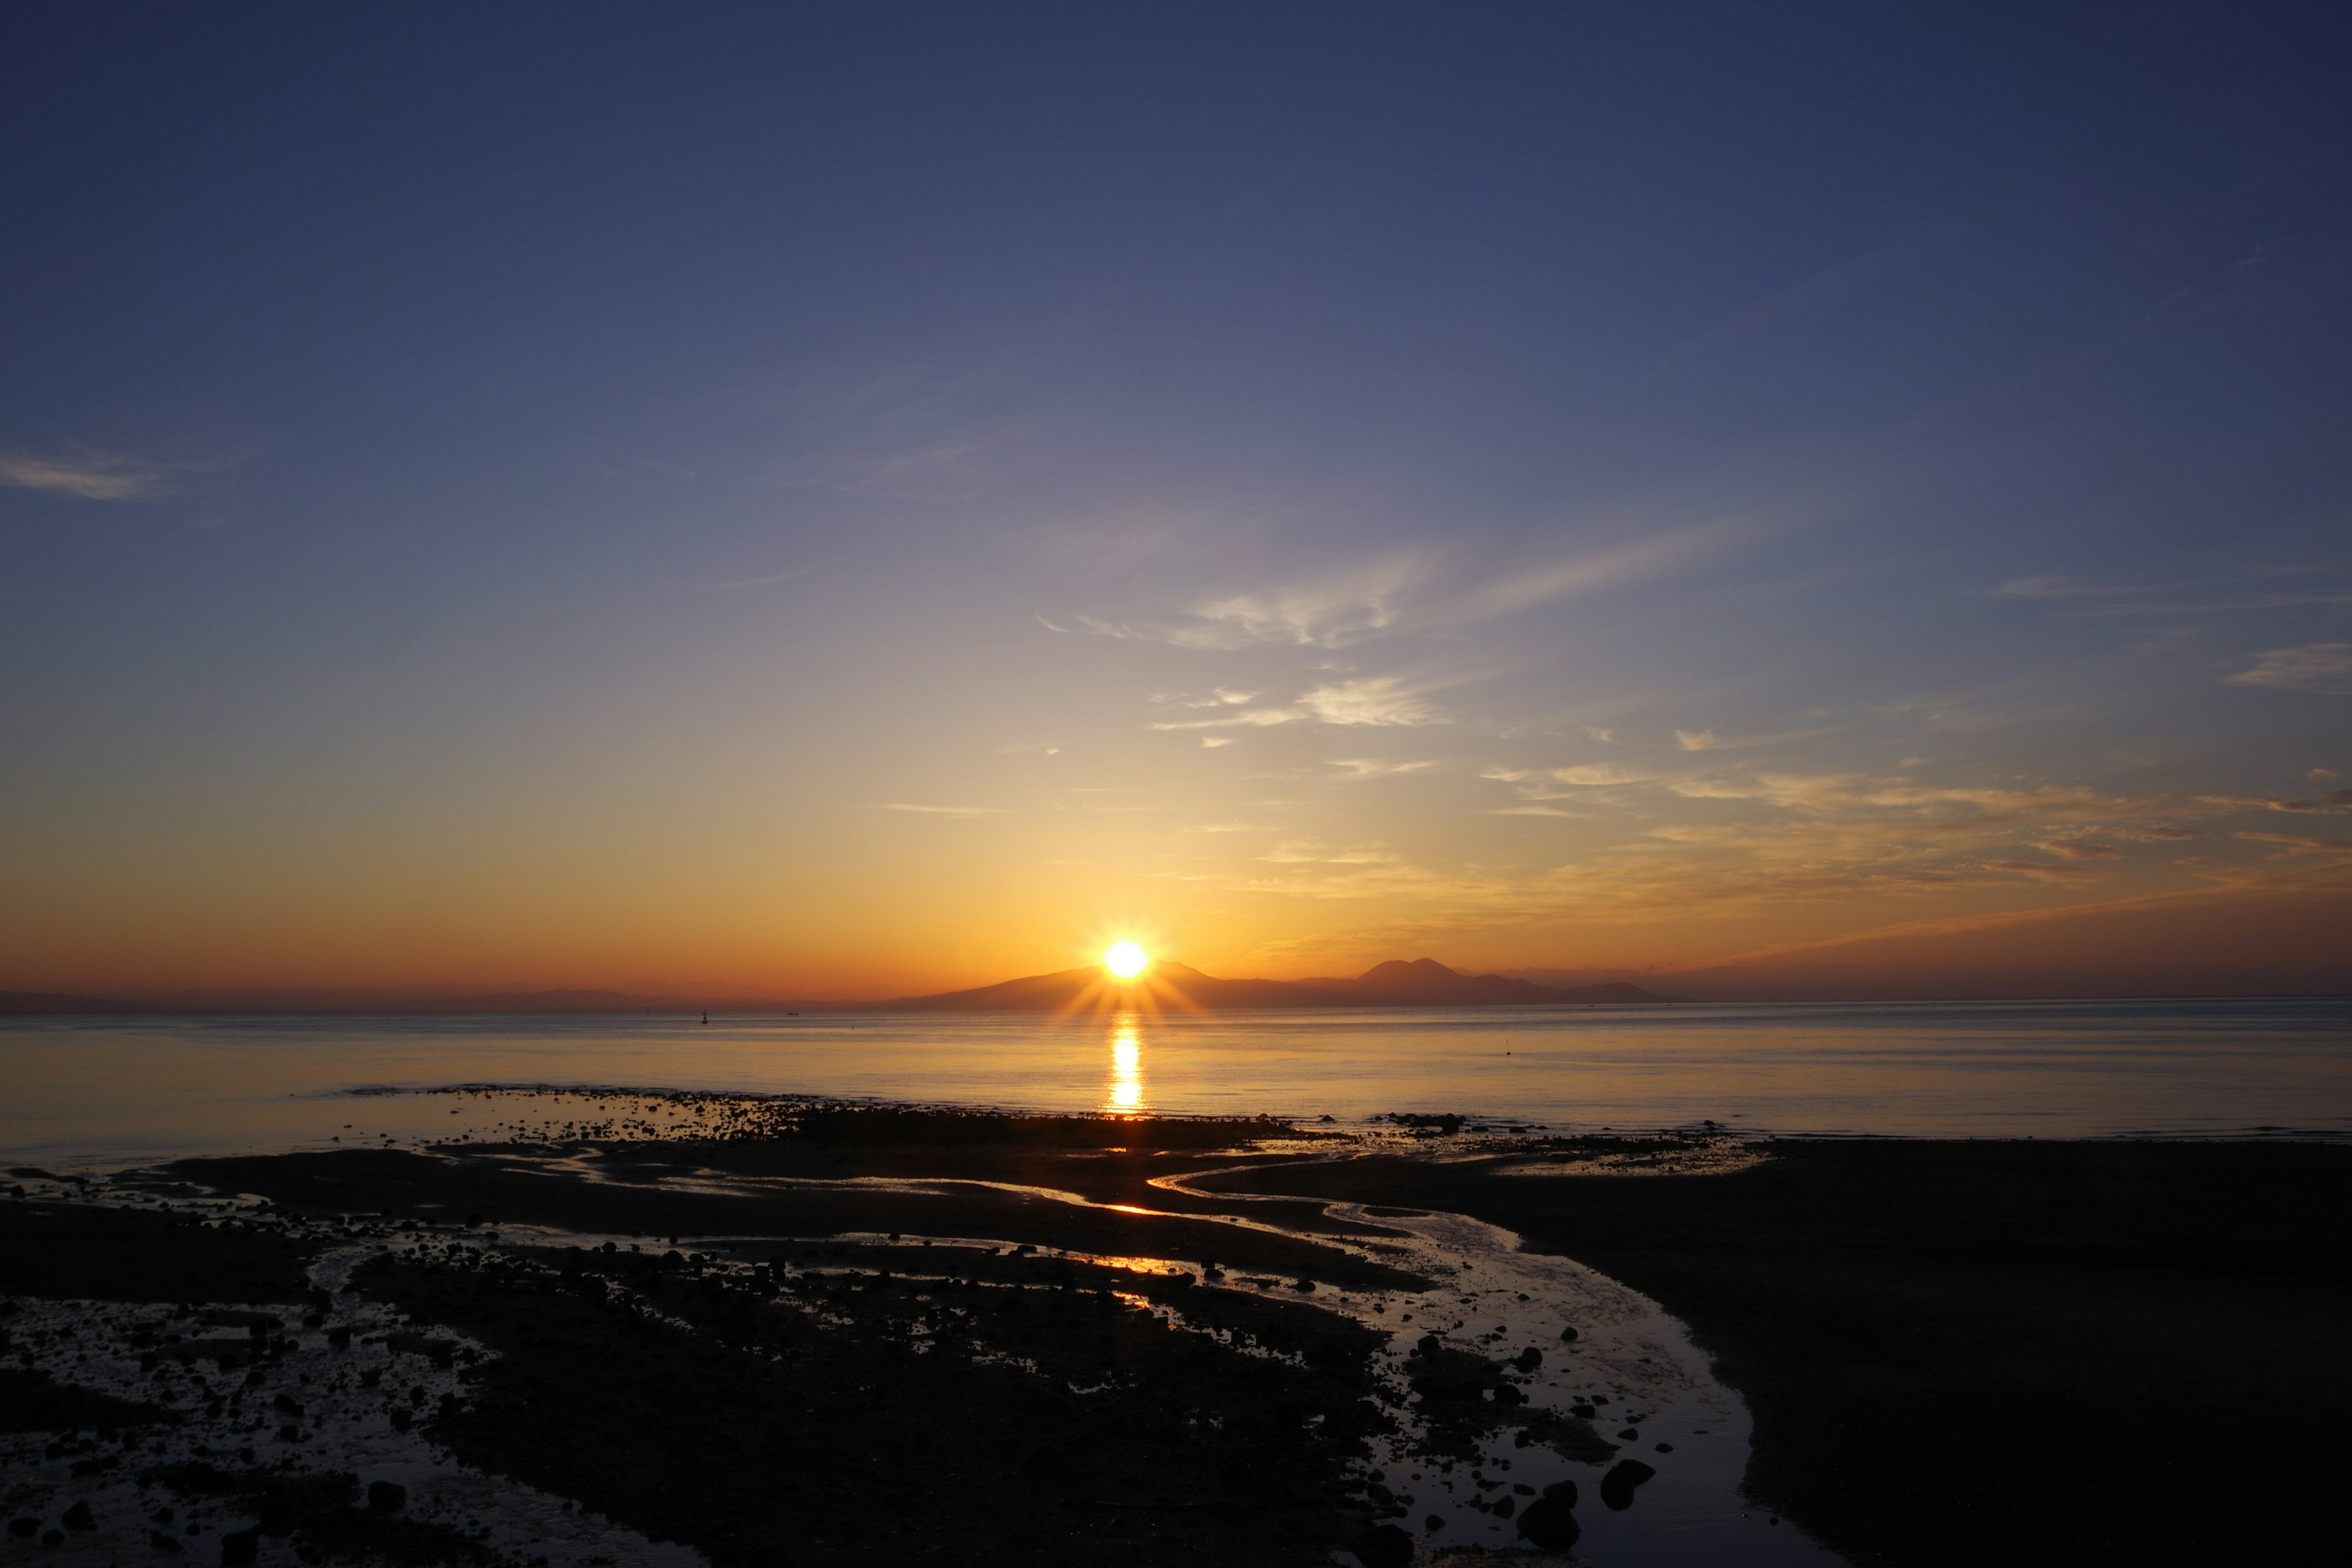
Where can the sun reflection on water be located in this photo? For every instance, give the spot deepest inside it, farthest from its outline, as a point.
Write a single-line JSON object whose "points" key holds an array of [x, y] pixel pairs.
{"points": [[1126, 1064]]}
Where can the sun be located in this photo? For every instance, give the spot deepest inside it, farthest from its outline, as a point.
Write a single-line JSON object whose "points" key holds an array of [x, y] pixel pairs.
{"points": [[1126, 960]]}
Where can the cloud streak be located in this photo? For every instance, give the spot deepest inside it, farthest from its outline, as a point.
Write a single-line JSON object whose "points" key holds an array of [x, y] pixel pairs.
{"points": [[1406, 592], [88, 475], [2324, 668], [1374, 701]]}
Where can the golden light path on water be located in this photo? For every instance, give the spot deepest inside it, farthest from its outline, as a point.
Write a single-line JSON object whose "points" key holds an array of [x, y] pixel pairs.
{"points": [[1126, 1091]]}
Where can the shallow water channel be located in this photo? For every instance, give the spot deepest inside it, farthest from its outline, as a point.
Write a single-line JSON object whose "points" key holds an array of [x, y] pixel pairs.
{"points": [[1629, 1366]]}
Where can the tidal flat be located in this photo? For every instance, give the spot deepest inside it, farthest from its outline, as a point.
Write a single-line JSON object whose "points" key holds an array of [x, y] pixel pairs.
{"points": [[669, 1329]]}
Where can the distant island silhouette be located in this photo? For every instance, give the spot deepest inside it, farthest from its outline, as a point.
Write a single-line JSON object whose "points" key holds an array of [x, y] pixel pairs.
{"points": [[1398, 982]]}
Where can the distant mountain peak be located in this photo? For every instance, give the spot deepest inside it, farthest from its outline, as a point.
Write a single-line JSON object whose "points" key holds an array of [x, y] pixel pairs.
{"points": [[1409, 968]]}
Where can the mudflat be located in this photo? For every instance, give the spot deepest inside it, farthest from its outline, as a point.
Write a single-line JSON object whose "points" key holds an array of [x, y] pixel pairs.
{"points": [[798, 1335], [1960, 1352]]}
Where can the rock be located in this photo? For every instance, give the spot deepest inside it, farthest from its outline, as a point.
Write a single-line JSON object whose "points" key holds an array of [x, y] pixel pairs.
{"points": [[1528, 1358], [27, 1528], [1562, 1493], [401, 1419], [77, 1517], [240, 1546], [289, 1433], [1665, 1447], [1445, 1373], [1551, 1524], [1505, 1394], [1630, 1434], [1582, 1412], [339, 1337], [1433, 1523], [1504, 1506], [1567, 1336], [1617, 1486], [1383, 1546], [386, 1496], [159, 1542]]}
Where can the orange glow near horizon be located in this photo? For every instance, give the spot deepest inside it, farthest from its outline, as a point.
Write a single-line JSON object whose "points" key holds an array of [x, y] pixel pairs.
{"points": [[1126, 959]]}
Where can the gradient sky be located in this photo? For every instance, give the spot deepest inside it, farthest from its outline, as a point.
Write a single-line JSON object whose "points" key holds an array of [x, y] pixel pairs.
{"points": [[841, 498]]}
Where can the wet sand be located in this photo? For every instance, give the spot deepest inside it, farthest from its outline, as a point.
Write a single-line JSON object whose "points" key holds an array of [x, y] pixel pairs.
{"points": [[777, 1334]]}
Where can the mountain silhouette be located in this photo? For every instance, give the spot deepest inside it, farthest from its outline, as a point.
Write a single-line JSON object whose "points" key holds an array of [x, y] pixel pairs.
{"points": [[1398, 982], [61, 1002]]}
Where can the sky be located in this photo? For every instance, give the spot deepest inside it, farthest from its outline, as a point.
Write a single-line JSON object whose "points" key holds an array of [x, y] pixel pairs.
{"points": [[842, 500]]}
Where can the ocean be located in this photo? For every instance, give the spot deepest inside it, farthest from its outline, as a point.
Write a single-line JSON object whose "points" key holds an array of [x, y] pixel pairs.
{"points": [[101, 1093]]}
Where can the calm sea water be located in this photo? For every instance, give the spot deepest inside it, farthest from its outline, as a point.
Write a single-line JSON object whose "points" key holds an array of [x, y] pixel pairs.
{"points": [[103, 1091]]}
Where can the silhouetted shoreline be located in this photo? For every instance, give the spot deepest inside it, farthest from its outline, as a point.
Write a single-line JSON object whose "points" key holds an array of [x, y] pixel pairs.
{"points": [[1900, 1315]]}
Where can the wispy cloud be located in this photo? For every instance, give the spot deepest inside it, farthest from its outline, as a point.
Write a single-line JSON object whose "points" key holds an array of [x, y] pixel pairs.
{"points": [[2318, 667], [2062, 588], [1406, 591], [2296, 843], [1311, 852], [2081, 850], [90, 475], [2335, 800], [1368, 768], [1708, 741], [1380, 701]]}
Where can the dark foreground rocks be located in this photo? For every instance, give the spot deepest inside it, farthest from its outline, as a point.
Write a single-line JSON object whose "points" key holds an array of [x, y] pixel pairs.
{"points": [[778, 1415], [1959, 1353]]}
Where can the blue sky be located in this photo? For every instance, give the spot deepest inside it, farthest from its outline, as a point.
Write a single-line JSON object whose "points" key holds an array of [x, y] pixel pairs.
{"points": [[863, 495]]}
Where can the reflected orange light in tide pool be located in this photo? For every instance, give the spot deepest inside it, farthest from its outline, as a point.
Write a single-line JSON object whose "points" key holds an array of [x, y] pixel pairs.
{"points": [[1126, 1064]]}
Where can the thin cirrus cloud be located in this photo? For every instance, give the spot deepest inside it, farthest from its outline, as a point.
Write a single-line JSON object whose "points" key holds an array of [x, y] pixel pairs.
{"points": [[2062, 588], [2324, 667], [1372, 768], [1708, 741], [2298, 843], [1376, 700], [88, 475], [1590, 776], [1406, 592]]}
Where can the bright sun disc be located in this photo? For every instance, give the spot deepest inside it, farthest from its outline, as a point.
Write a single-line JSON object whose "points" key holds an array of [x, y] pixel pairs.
{"points": [[1125, 960]]}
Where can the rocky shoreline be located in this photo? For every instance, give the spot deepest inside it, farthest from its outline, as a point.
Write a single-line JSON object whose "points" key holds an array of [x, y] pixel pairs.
{"points": [[787, 1332]]}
